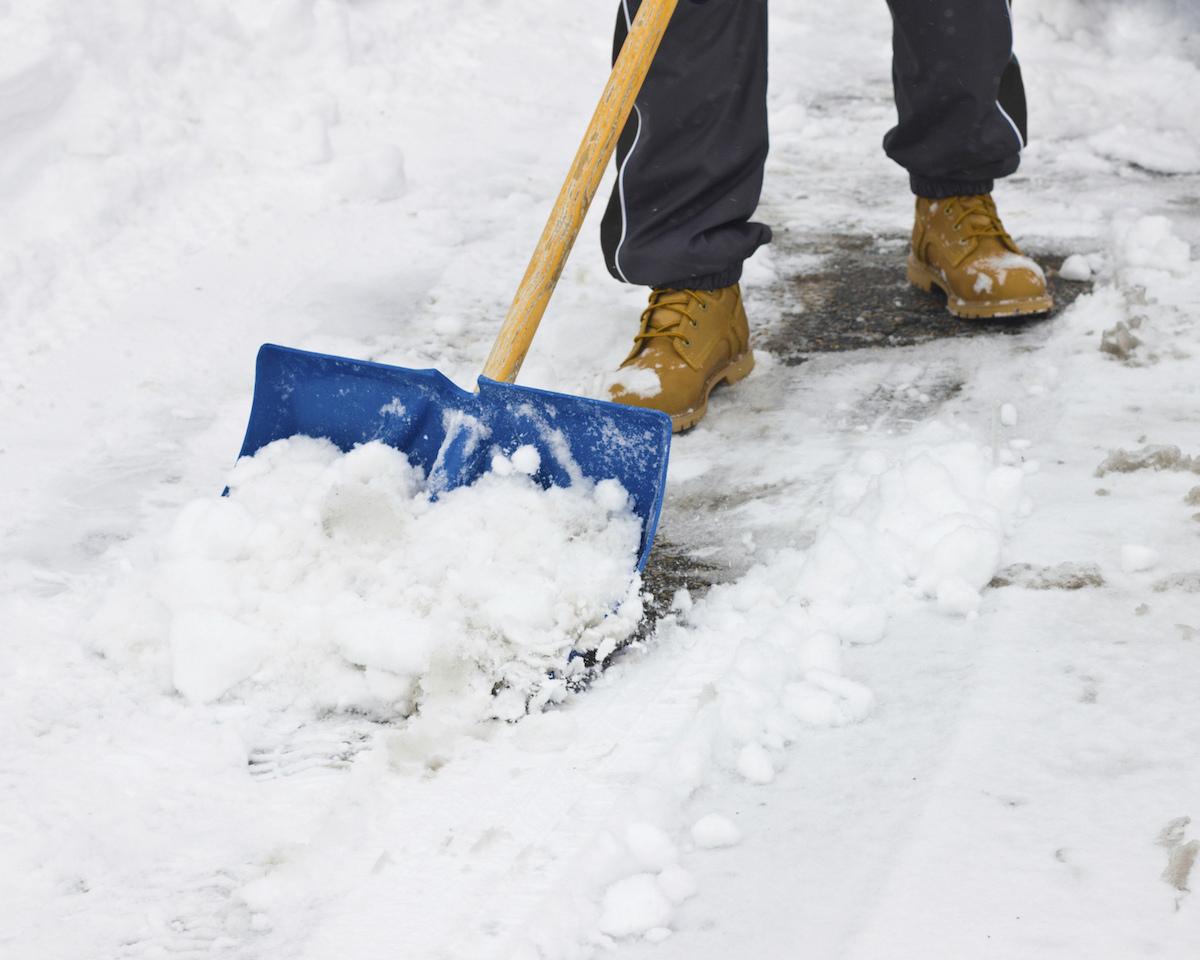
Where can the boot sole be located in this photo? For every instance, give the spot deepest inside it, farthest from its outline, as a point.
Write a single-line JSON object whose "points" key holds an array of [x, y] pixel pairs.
{"points": [[923, 278], [738, 369]]}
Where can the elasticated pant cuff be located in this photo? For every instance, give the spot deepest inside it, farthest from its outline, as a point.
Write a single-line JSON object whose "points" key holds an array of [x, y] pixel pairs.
{"points": [[935, 189], [711, 281]]}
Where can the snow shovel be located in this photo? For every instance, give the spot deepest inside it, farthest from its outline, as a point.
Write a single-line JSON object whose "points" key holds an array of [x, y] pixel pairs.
{"points": [[453, 434]]}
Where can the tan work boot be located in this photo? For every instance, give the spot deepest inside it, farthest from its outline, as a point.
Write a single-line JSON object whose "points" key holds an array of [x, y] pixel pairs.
{"points": [[690, 340], [960, 246]]}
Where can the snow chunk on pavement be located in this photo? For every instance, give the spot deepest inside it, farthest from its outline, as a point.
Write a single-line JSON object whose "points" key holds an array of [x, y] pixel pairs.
{"points": [[826, 700], [678, 884], [715, 831], [754, 763], [1076, 268], [957, 547], [635, 906], [650, 846]]}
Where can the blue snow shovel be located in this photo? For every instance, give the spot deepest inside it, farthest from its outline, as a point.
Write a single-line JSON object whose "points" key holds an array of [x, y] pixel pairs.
{"points": [[453, 434]]}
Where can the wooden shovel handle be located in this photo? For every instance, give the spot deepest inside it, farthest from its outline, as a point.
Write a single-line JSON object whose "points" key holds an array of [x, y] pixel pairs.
{"points": [[566, 219]]}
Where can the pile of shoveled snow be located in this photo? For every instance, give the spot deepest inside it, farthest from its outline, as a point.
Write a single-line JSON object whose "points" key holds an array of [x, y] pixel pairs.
{"points": [[332, 582], [909, 528]]}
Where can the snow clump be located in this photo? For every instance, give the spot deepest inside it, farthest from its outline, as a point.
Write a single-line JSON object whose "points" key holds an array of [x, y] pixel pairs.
{"points": [[635, 905], [925, 528], [650, 846], [1076, 268], [714, 831], [754, 763], [1150, 243], [332, 581]]}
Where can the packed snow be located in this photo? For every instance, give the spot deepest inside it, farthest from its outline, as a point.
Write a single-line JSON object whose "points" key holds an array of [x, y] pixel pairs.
{"points": [[927, 687], [335, 582], [714, 831]]}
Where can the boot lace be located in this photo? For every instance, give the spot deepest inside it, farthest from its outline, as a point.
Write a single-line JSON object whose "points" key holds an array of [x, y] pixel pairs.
{"points": [[976, 216], [677, 305]]}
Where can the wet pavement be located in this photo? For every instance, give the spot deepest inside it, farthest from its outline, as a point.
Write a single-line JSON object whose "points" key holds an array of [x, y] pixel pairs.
{"points": [[857, 297], [854, 297]]}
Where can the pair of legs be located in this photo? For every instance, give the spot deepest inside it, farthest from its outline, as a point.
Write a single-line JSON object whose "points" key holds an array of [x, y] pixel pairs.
{"points": [[690, 171], [691, 159]]}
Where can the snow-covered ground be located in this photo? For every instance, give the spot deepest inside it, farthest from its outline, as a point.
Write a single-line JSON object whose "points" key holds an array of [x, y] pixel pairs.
{"points": [[942, 699]]}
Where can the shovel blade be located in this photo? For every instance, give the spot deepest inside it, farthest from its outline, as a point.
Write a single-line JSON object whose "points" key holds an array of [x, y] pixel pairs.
{"points": [[452, 434]]}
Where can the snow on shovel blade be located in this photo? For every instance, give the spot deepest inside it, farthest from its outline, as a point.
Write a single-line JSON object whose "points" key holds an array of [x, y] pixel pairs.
{"points": [[452, 434]]}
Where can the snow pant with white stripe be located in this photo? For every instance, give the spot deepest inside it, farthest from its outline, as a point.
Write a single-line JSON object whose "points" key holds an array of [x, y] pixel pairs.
{"points": [[690, 161]]}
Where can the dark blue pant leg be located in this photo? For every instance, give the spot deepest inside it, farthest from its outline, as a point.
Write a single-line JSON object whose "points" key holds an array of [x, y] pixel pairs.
{"points": [[690, 161], [959, 95]]}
